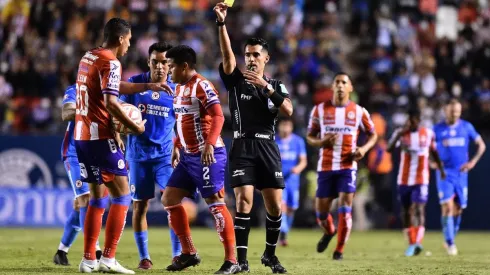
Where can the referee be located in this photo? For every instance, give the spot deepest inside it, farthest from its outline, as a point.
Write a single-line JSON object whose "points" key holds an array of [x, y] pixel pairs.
{"points": [[255, 161]]}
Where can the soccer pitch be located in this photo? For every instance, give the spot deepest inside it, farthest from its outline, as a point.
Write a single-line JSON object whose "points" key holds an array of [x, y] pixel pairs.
{"points": [[30, 251]]}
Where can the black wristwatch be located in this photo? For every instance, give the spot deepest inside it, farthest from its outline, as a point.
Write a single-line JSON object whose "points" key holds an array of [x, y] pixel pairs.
{"points": [[219, 24]]}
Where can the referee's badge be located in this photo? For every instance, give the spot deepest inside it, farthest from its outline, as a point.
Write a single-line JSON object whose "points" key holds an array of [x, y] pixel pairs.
{"points": [[155, 96]]}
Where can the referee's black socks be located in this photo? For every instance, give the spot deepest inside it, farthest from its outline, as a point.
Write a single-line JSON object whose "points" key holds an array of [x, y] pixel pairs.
{"points": [[242, 229], [273, 229]]}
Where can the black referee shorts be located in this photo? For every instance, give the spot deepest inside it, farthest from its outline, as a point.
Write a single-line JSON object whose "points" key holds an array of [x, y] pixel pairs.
{"points": [[255, 162]]}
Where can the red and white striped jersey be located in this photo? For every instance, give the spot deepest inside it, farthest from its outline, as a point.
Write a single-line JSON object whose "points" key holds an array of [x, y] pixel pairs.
{"points": [[192, 119], [99, 73], [346, 121], [414, 162]]}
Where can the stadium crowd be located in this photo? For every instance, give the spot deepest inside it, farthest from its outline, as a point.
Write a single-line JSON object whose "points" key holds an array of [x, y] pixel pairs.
{"points": [[405, 53]]}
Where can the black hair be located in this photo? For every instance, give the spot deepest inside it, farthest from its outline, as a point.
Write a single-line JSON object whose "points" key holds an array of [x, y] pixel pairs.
{"points": [[257, 41], [115, 28], [453, 100], [183, 54], [414, 113], [159, 47], [343, 73]]}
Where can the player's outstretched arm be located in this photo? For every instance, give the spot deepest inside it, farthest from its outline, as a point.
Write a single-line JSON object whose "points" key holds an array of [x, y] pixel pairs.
{"points": [[114, 108], [129, 88], [68, 111], [229, 61]]}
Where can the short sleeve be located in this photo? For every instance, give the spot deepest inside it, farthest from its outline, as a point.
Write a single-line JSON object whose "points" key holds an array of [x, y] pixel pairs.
{"points": [[207, 94], [314, 122], [367, 123], [110, 74], [301, 147], [472, 133], [393, 136], [70, 95], [230, 80], [282, 89]]}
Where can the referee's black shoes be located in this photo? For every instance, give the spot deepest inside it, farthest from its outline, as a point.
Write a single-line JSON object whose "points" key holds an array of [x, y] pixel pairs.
{"points": [[273, 263]]}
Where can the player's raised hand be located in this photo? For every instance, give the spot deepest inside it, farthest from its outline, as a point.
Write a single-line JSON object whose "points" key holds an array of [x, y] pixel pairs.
{"points": [[175, 157], [254, 78], [359, 153], [207, 156], [329, 140], [221, 11], [467, 167], [157, 87]]}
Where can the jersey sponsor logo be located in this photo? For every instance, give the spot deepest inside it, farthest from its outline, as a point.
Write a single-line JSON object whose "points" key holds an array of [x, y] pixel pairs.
{"points": [[157, 110], [23, 168], [245, 97], [83, 170], [155, 96], [288, 155], [238, 172], [454, 142], [181, 110], [342, 130], [264, 136], [142, 107], [278, 174], [114, 75], [90, 56], [121, 164]]}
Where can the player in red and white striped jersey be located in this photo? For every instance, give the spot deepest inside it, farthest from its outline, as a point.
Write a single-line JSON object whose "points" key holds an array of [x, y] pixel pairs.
{"points": [[417, 143], [334, 126]]}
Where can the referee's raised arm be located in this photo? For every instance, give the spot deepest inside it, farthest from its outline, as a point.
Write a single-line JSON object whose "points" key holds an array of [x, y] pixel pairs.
{"points": [[229, 61]]}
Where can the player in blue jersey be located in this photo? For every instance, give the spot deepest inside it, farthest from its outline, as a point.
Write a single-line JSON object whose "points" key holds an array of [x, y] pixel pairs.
{"points": [[74, 222], [149, 154], [453, 138], [293, 157]]}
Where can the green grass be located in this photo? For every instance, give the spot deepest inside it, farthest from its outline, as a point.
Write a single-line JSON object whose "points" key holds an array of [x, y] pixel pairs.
{"points": [[27, 251]]}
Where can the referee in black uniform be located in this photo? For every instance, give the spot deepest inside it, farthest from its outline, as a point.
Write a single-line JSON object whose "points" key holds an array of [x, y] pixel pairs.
{"points": [[254, 162]]}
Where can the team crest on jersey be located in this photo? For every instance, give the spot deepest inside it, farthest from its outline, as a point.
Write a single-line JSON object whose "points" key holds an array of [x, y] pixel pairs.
{"points": [[187, 91], [78, 183], [142, 107], [121, 164], [351, 115], [155, 96]]}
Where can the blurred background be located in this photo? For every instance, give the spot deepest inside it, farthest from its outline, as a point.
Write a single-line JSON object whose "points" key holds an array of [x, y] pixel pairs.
{"points": [[399, 53]]}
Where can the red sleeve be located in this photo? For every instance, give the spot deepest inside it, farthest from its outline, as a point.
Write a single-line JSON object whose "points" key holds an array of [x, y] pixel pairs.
{"points": [[177, 142], [207, 94], [216, 123], [314, 123], [367, 123]]}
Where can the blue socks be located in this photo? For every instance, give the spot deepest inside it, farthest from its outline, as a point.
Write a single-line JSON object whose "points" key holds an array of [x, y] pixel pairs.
{"points": [[72, 227], [457, 223], [174, 239], [448, 229], [83, 214], [287, 222], [141, 239]]}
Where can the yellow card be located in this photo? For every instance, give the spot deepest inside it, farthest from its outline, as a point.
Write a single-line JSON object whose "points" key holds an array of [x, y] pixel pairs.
{"points": [[229, 3]]}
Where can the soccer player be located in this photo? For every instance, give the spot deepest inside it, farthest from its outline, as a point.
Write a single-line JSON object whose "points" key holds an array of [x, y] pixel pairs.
{"points": [[101, 160], [334, 127], [417, 143], [203, 161], [293, 156], [149, 154], [453, 138], [75, 220], [255, 160]]}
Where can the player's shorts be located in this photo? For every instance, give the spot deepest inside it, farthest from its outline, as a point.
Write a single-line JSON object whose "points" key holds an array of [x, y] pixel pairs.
{"points": [[72, 168], [100, 160], [255, 162], [190, 174], [408, 194], [143, 175], [454, 186], [331, 183], [290, 194]]}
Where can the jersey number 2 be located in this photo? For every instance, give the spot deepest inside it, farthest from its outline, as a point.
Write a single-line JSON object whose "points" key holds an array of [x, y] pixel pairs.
{"points": [[205, 173], [82, 100]]}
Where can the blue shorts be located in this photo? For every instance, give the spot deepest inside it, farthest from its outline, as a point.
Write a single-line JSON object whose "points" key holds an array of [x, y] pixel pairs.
{"points": [[144, 175], [454, 186], [100, 160], [331, 183], [290, 194], [191, 175], [72, 168], [408, 194]]}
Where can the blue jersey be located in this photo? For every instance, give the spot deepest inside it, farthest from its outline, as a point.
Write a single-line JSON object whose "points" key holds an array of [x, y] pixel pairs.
{"points": [[157, 108], [453, 142], [291, 149], [68, 144]]}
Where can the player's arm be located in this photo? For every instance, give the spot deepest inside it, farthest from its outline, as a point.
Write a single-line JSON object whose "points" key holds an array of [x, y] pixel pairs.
{"points": [[313, 137], [129, 88], [68, 111], [114, 108], [480, 149], [367, 126], [435, 156], [395, 137], [229, 60], [300, 166]]}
